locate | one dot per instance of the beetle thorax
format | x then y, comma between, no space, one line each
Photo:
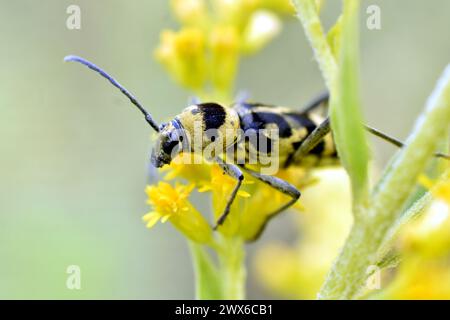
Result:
209,127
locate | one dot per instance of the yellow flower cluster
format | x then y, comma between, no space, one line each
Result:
171,203
301,269
424,272
248,215
424,246
204,54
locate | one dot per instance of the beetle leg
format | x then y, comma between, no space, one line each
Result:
233,171
312,140
278,184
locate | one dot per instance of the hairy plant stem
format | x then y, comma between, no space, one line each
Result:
367,236
309,17
385,203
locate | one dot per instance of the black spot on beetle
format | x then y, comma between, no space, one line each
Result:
296,145
318,150
213,115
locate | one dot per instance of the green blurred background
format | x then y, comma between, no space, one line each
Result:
74,154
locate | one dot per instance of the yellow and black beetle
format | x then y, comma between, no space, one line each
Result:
303,137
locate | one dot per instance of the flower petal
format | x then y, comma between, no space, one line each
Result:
165,218
243,194
205,188
151,218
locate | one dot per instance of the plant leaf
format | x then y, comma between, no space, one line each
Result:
345,112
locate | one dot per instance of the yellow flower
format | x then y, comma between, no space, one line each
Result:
440,190
225,45
424,272
165,53
420,280
251,209
199,174
286,281
334,38
171,203
234,12
204,54
261,29
443,191
183,54
284,7
223,183
302,268
190,12
429,236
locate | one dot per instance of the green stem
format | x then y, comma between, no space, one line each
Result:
207,278
345,110
233,274
373,223
309,17
367,236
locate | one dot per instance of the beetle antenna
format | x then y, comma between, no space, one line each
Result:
116,84
398,143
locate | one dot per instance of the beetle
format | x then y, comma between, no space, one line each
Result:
304,137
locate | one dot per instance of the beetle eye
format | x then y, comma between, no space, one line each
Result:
169,145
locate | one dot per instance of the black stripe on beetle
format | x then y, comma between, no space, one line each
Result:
259,120
303,121
213,115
